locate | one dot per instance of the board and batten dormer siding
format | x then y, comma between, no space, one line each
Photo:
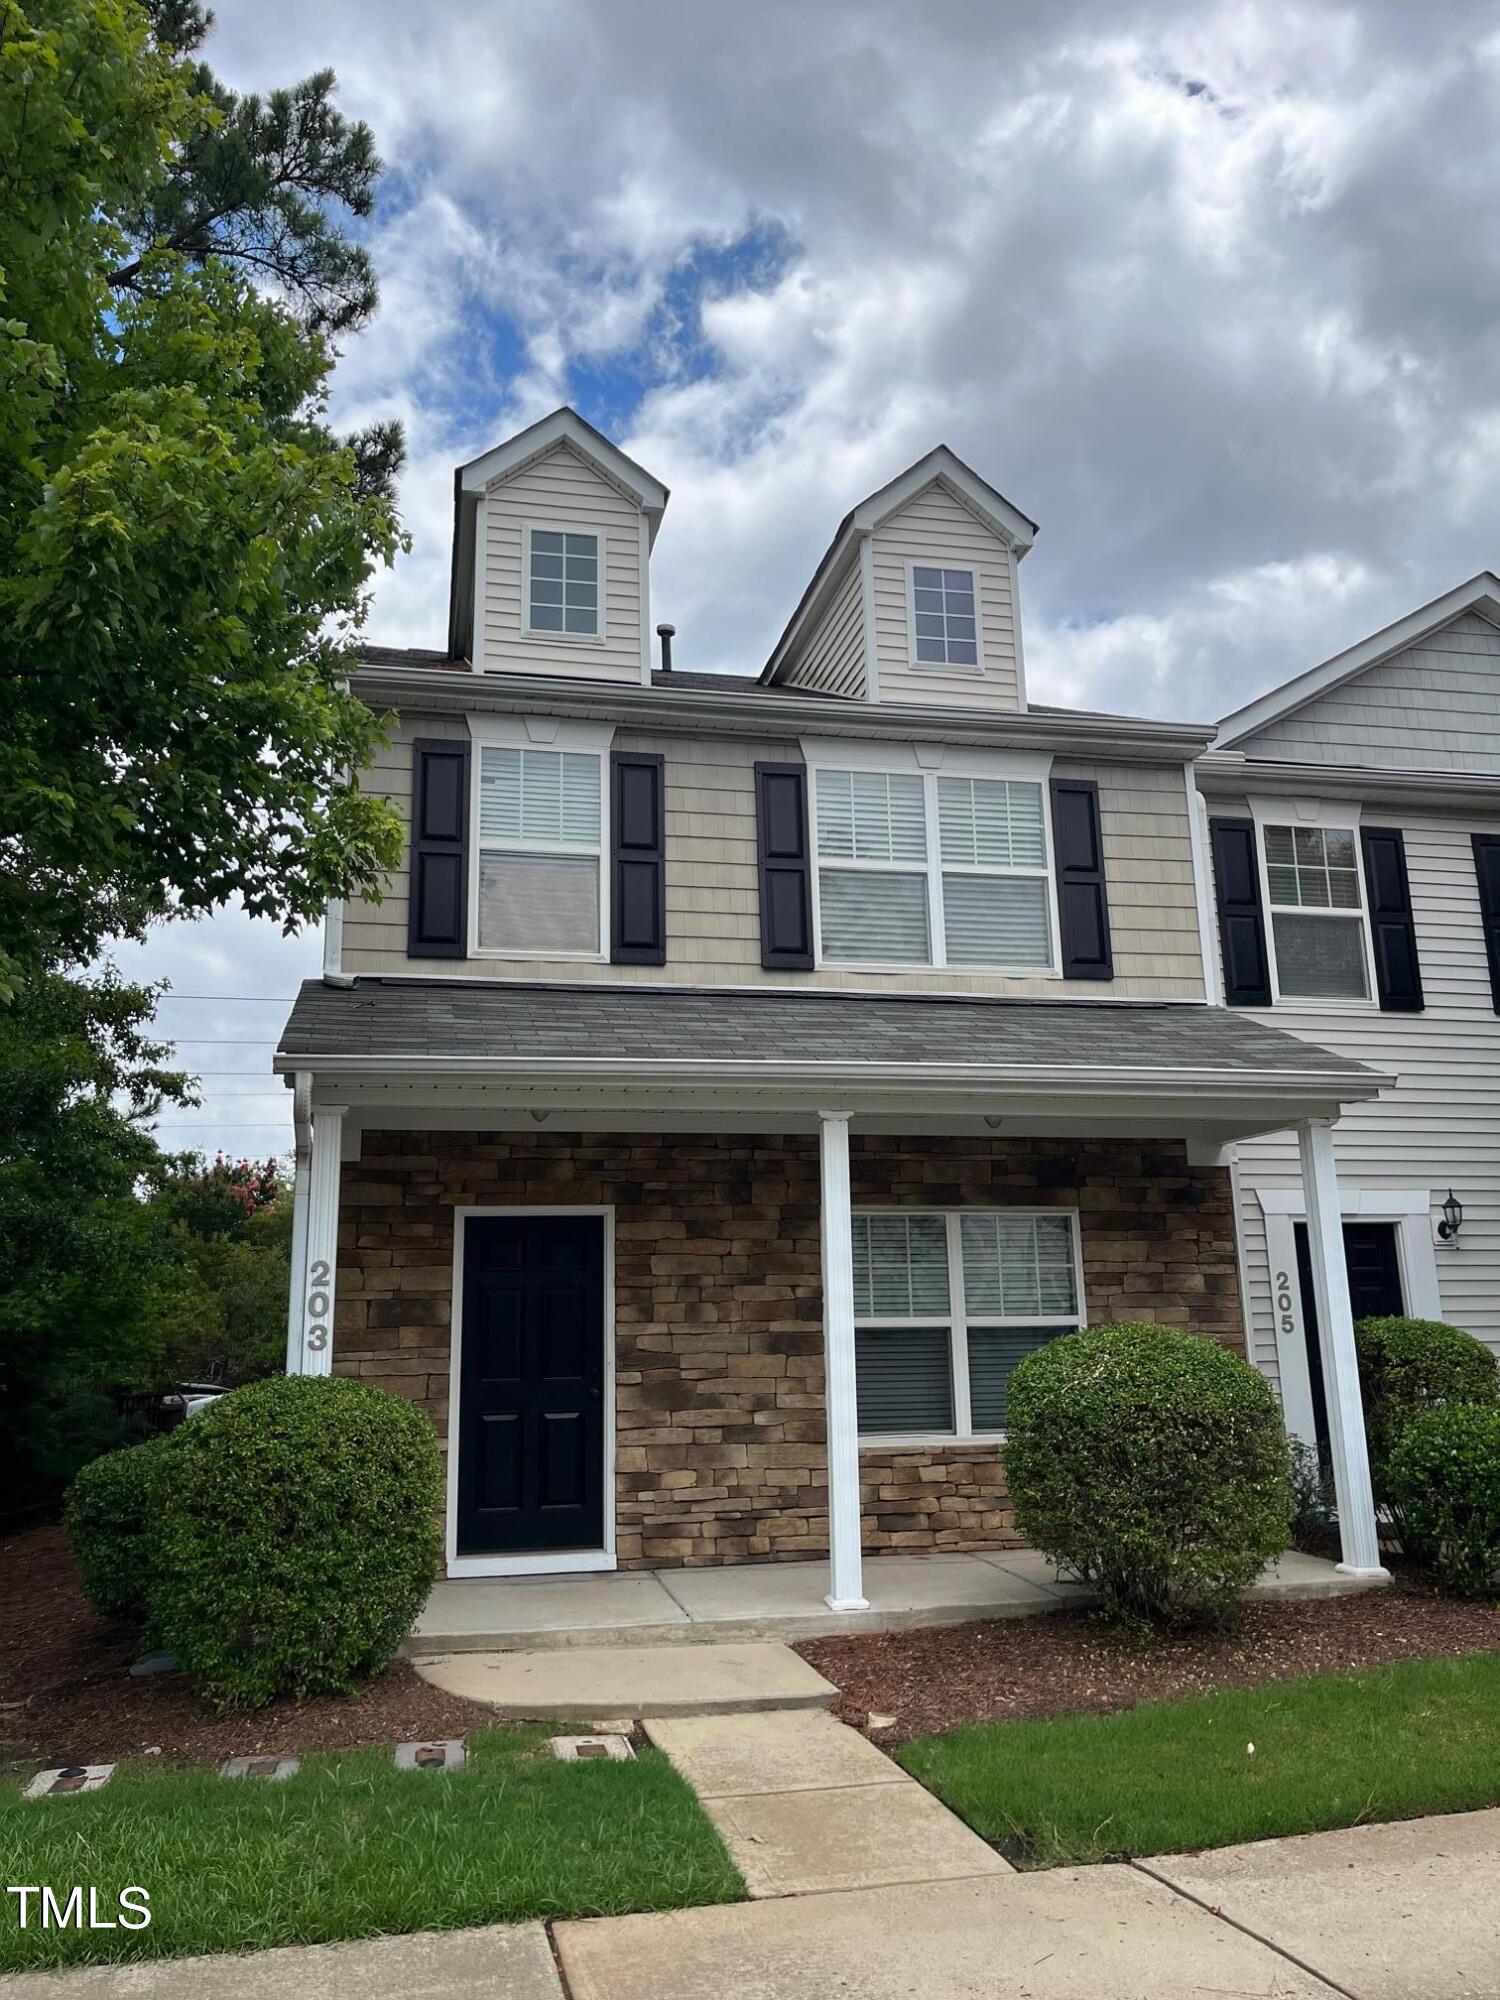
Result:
937,529
561,490
833,659
712,883
1439,1127
1434,707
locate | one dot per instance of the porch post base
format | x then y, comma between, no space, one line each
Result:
847,1603
1375,1575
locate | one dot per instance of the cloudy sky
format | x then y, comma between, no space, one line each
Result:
1209,291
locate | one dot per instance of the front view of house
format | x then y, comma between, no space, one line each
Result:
745,1073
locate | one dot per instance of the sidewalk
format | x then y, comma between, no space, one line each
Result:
1403,1912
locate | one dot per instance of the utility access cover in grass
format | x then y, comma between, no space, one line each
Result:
351,1847
1242,1764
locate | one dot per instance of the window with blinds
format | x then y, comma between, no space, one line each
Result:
889,895
1317,912
947,1304
540,832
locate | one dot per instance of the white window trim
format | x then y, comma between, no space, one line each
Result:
976,672
541,732
1409,1210
930,766
528,630
956,1320
1333,814
544,1563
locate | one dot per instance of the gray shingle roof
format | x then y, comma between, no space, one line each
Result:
546,1023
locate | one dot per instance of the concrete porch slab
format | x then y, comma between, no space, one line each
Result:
731,1756
1069,1934
851,1837
774,1601
632,1681
1406,1911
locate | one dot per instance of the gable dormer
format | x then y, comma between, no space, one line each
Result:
553,533
916,599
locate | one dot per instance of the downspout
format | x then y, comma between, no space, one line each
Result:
301,1181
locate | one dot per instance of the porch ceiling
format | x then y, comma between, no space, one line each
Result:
466,1053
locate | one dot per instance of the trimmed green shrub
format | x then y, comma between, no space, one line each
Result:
299,1537
1407,1366
110,1516
1152,1464
1445,1477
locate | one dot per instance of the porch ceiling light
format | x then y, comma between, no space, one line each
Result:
1453,1217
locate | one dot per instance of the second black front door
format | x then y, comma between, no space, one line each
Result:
531,1385
1374,1292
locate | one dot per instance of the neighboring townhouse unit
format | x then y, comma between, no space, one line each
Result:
742,1073
1355,828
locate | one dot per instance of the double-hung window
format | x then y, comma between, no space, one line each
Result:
563,582
920,868
944,617
540,826
945,1306
1316,903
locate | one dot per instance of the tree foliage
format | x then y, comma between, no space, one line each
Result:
185,545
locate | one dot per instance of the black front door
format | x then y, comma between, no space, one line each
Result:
531,1385
1374,1292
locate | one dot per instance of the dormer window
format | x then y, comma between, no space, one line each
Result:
944,617
562,583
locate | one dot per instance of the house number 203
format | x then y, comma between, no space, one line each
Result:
318,1302
1284,1302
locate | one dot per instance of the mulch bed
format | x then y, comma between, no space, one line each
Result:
1066,1661
66,1697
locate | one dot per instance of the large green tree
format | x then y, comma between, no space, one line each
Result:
186,546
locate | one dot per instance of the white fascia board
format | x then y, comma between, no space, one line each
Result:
1229,773
565,426
1481,593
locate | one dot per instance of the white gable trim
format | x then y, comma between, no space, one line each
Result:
941,468
1481,593
565,426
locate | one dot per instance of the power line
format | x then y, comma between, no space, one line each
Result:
281,999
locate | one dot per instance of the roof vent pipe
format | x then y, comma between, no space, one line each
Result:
666,633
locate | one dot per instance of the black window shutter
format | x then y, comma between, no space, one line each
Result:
1242,923
438,894
637,901
1487,871
1082,904
1398,975
786,935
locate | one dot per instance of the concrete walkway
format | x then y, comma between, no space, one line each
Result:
633,1681
806,1806
781,1601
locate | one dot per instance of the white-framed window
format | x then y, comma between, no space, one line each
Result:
563,596
947,1302
540,866
943,616
928,868
1314,892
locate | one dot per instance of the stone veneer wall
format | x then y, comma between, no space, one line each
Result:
719,1373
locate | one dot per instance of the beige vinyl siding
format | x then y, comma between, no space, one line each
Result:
1440,1124
937,528
712,885
833,659
1435,707
561,490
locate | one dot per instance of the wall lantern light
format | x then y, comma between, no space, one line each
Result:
1453,1217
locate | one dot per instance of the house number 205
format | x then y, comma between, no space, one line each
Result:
1284,1302
318,1274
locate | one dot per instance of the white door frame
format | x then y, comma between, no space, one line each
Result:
1408,1209
547,1562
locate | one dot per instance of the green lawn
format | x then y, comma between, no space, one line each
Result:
1392,1743
352,1848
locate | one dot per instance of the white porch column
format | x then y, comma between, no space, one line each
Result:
301,1178
322,1240
846,1581
1346,1417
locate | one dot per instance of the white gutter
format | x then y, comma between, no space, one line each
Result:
1229,771
301,1181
